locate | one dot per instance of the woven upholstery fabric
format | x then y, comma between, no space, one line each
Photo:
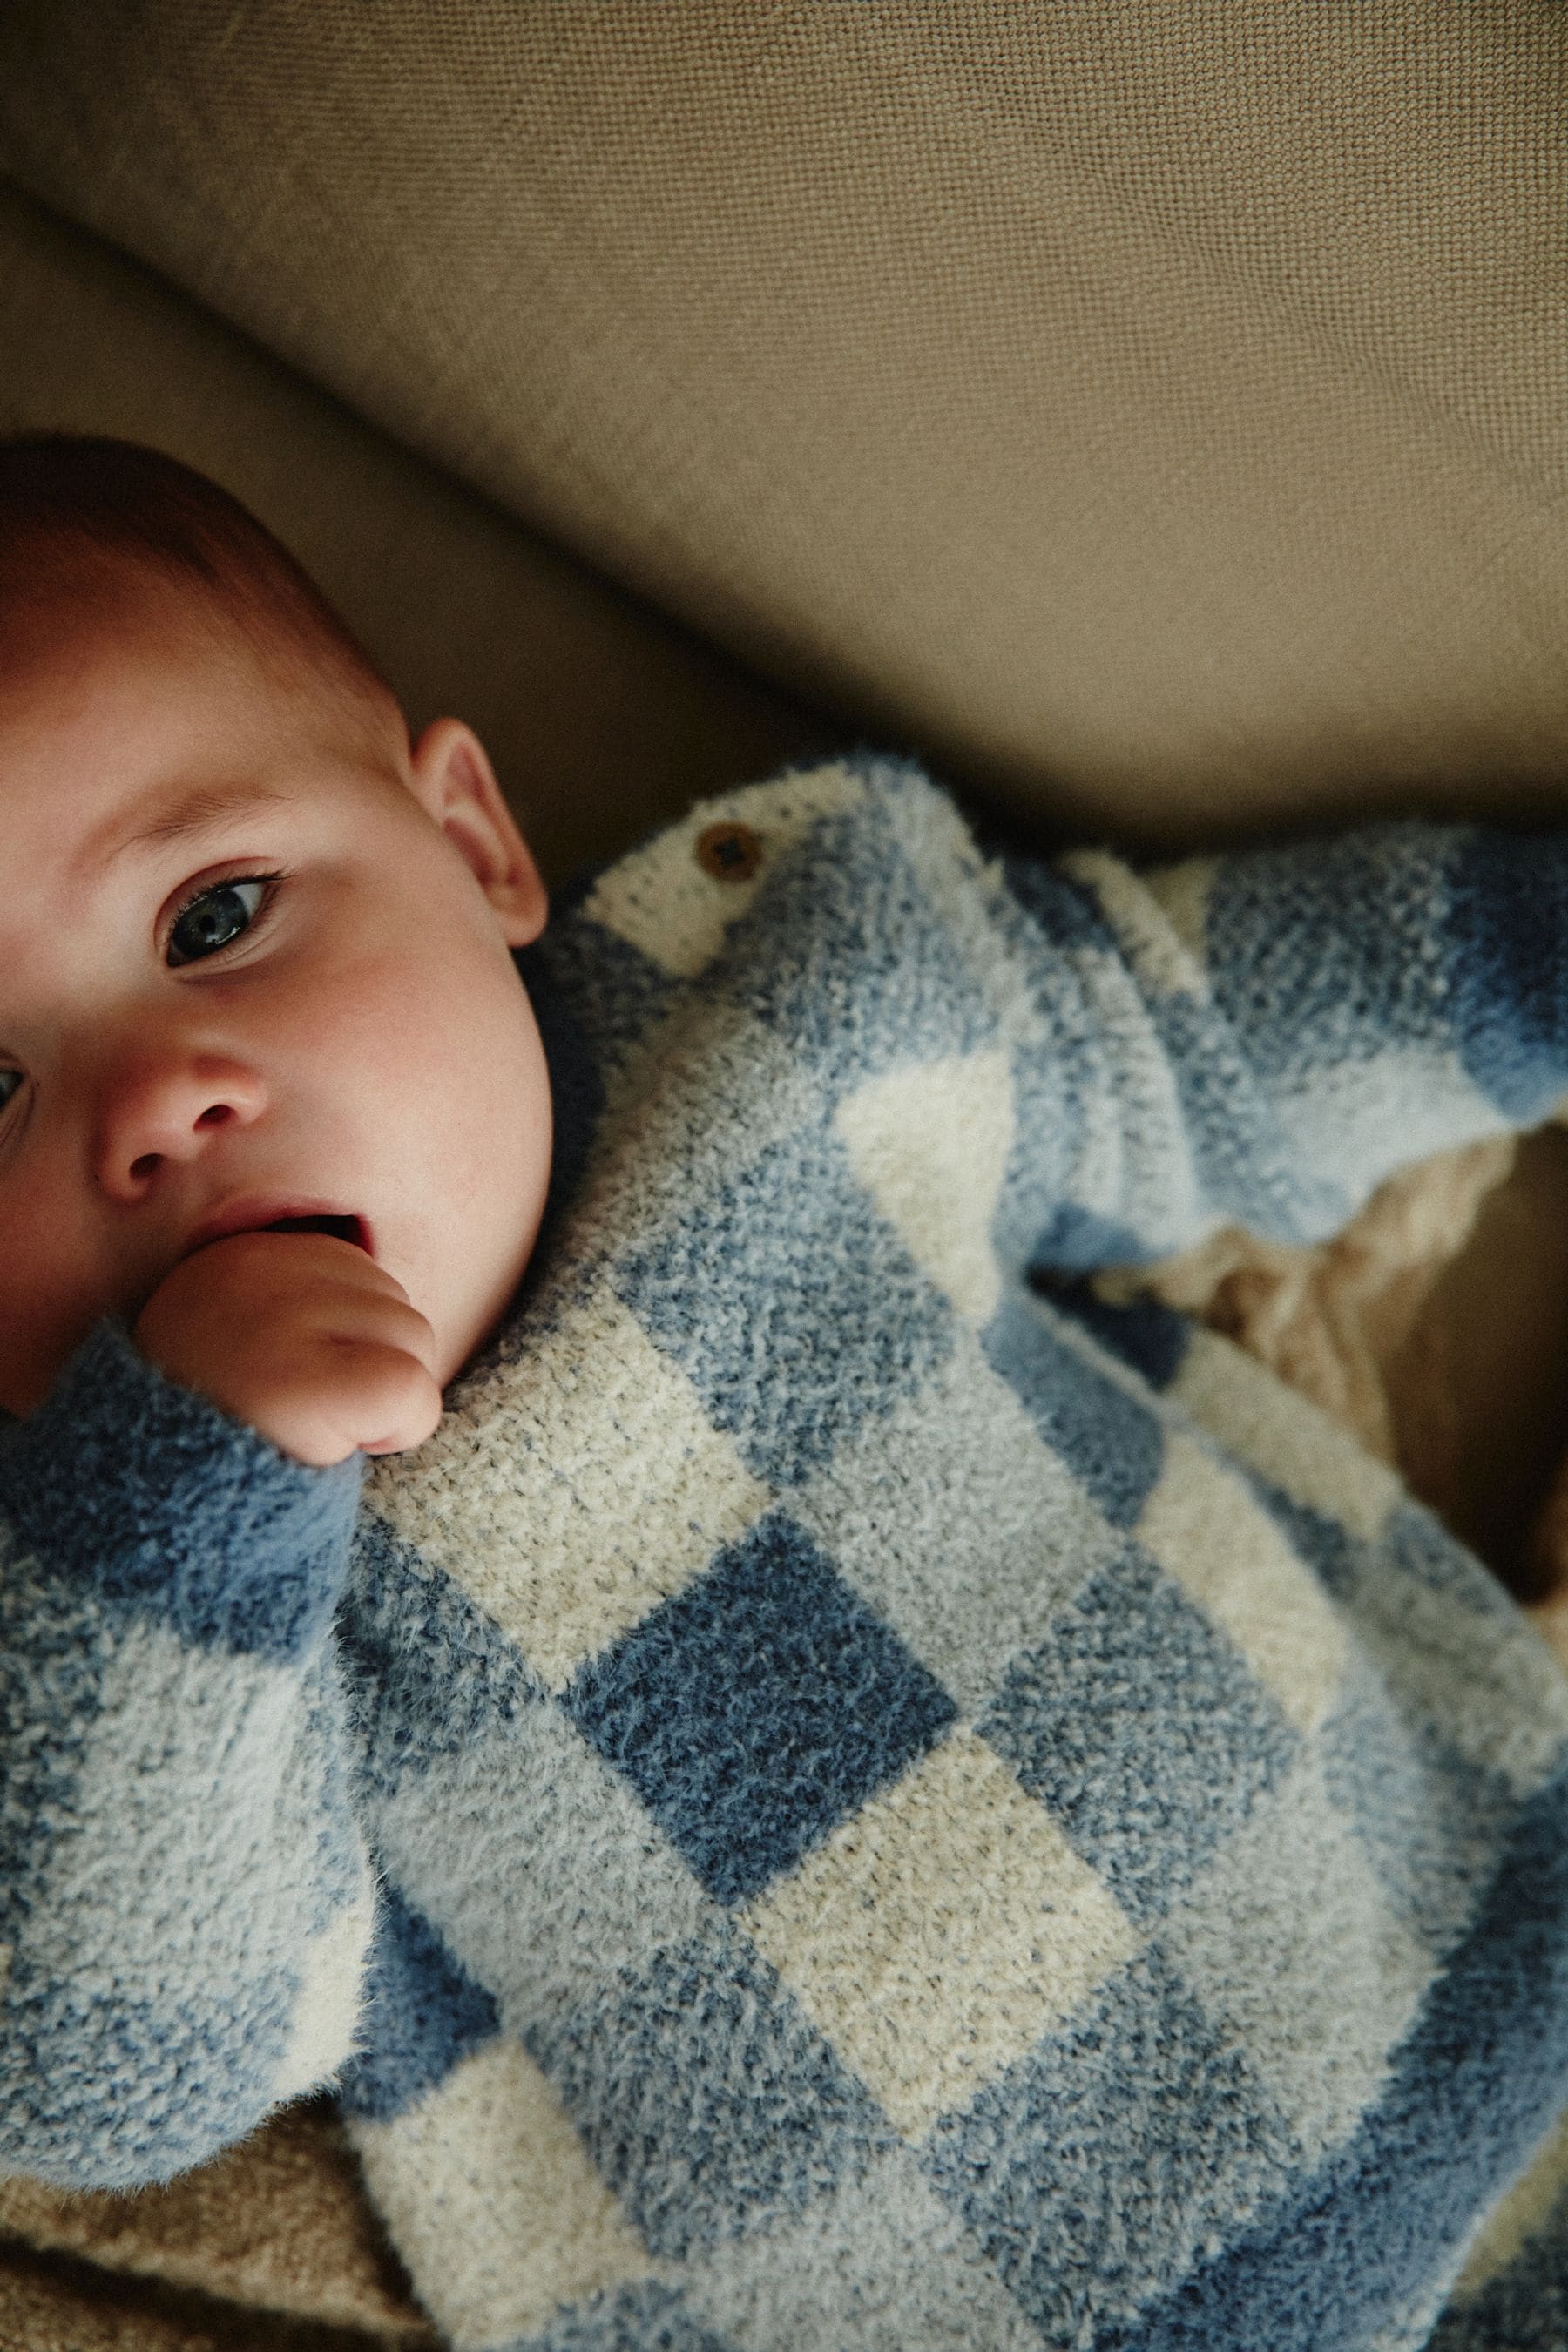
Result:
602,716
1154,410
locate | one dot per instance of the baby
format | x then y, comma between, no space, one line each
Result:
174,686
580,1567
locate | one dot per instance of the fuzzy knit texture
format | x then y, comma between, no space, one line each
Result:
852,1795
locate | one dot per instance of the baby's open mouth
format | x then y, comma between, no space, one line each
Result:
243,1216
347,1229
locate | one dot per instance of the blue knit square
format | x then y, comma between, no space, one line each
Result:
646,2317
1142,1728
439,1676
707,2101
1503,951
1336,1556
756,1708
814,1315
422,2014
843,954
1112,1442
1430,1822
1321,953
1113,2157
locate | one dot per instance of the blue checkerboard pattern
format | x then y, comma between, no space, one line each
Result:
850,1795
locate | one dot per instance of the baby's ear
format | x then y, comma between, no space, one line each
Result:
454,783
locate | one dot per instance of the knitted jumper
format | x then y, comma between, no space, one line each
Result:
849,1796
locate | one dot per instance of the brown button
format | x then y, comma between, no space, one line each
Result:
730,852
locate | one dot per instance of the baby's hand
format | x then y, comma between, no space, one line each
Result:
302,1336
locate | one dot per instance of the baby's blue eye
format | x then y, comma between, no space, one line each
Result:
215,920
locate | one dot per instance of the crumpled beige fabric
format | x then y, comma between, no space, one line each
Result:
1399,1326
272,2244
1329,1318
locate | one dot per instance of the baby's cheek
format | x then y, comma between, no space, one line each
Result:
47,1310
31,1356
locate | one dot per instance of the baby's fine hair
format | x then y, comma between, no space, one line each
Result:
76,507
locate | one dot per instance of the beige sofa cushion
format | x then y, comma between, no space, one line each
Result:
602,716
1156,409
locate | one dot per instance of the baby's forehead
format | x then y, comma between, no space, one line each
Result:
112,753
201,637
104,631
169,670
70,594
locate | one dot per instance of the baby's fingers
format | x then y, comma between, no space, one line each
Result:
383,1322
396,1402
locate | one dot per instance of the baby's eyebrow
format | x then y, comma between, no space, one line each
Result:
174,819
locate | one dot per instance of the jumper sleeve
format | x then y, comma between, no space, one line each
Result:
1261,1037
184,1896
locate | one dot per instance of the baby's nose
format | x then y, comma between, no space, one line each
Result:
181,1146
171,1113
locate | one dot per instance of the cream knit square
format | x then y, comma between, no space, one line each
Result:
1215,1541
489,2162
940,1931
666,904
577,1490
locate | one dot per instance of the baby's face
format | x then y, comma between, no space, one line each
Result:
294,997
